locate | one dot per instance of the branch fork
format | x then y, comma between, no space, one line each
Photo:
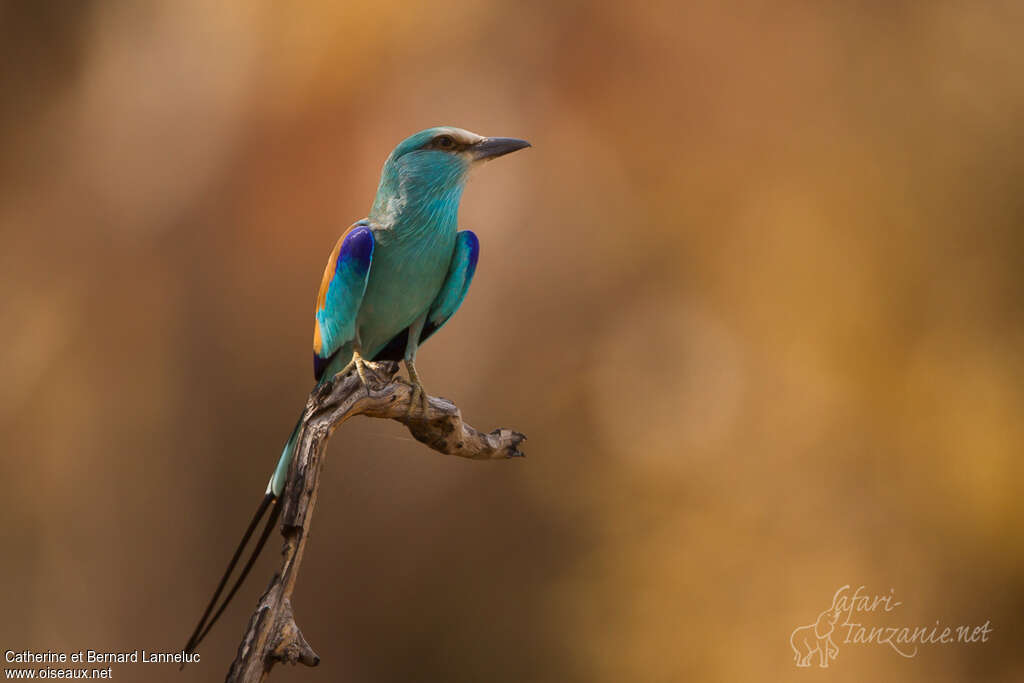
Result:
272,635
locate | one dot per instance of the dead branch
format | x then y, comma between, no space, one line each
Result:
272,635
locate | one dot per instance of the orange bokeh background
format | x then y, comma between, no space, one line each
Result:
754,295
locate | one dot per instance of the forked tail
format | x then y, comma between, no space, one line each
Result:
274,489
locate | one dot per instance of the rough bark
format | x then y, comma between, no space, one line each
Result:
273,635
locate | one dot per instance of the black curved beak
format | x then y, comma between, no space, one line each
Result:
492,148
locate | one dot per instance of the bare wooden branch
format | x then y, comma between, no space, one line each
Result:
272,635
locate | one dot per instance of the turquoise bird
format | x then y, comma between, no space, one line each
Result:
392,281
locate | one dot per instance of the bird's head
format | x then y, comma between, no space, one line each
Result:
432,165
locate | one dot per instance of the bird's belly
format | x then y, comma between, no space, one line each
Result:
402,285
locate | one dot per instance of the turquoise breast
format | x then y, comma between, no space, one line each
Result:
406,275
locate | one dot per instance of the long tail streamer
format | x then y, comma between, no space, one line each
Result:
203,627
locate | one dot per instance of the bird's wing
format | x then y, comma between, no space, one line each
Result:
453,291
341,293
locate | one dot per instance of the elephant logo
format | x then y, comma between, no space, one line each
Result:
816,637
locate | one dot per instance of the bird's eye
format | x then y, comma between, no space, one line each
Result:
445,142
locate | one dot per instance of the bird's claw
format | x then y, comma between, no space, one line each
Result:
419,398
418,402
360,366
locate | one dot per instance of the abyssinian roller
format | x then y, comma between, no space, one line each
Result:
393,279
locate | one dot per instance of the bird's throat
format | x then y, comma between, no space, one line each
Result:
412,213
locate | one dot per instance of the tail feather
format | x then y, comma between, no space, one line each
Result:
274,490
271,523
277,480
199,631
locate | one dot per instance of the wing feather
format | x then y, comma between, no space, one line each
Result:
456,285
341,294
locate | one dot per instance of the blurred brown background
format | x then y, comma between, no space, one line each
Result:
754,295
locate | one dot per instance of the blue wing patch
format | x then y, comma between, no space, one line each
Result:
341,293
456,285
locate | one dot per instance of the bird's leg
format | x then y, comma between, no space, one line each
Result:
419,394
419,398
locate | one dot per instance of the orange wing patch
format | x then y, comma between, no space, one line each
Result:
360,252
321,298
332,264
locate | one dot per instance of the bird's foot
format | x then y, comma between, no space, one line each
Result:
360,366
418,400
